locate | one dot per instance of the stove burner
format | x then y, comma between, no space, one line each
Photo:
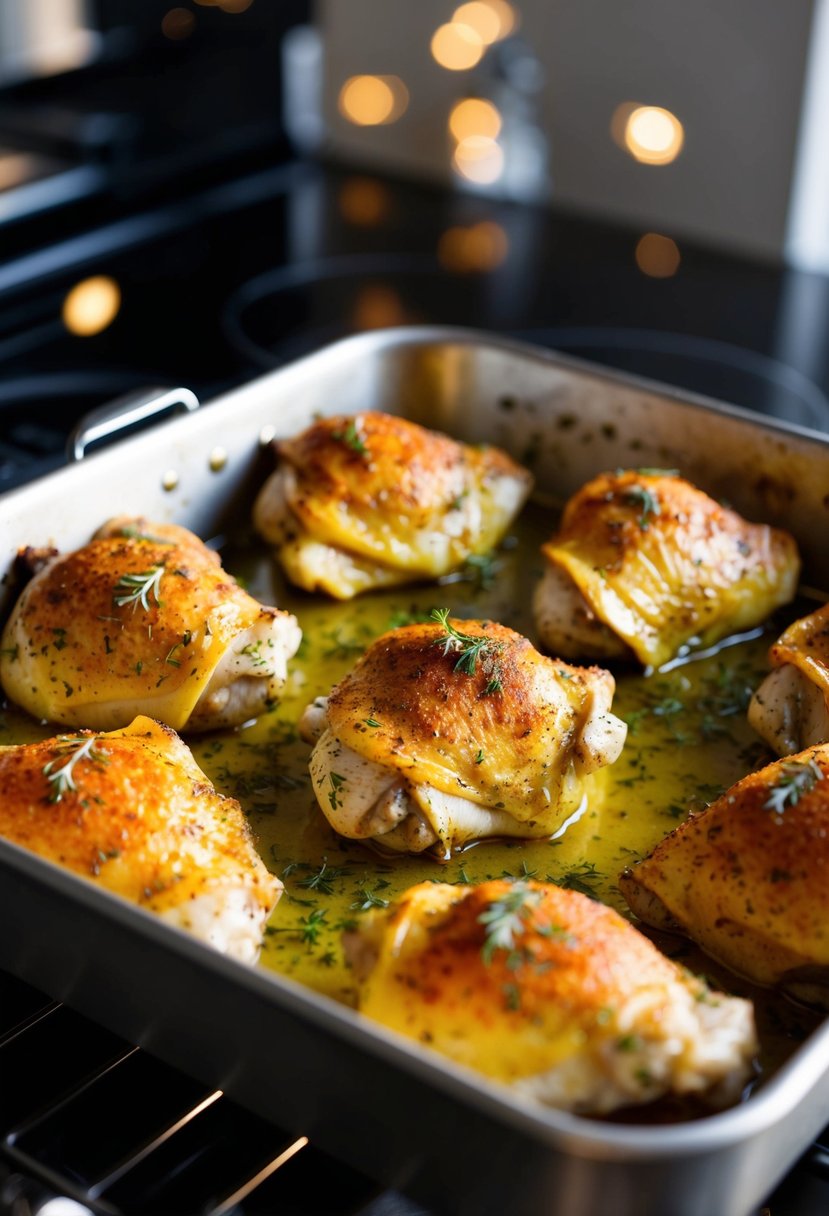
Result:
37,414
294,310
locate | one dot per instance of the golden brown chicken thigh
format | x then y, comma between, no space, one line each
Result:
451,731
143,619
790,709
748,878
644,564
550,993
374,501
132,811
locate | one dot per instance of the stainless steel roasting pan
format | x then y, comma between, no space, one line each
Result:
405,1116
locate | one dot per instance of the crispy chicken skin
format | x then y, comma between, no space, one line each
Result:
748,878
143,619
644,563
790,709
132,811
416,752
548,992
374,501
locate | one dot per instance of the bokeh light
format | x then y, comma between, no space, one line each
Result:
474,116
479,159
651,134
178,24
482,246
456,46
364,202
657,256
91,306
371,101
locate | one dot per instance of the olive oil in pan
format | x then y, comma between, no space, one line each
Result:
688,739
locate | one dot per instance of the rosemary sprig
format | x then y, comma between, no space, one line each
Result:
62,778
333,797
639,496
468,648
796,778
324,878
504,918
136,588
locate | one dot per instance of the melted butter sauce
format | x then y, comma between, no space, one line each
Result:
688,740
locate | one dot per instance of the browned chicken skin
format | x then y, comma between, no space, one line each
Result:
132,811
143,619
652,564
748,878
419,746
548,992
790,709
375,501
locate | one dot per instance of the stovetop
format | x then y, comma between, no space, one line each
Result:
209,289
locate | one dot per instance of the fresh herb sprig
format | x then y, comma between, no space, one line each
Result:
468,648
797,777
137,588
504,918
352,438
648,505
61,777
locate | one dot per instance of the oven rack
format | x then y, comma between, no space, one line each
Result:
87,1116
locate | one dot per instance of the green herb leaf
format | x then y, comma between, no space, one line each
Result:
639,496
351,437
797,777
62,777
136,588
504,918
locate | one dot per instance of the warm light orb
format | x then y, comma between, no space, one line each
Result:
456,46
657,256
235,6
177,24
364,202
484,246
479,159
378,307
371,101
481,18
653,136
474,116
91,306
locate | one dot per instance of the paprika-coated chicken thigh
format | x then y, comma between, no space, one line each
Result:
790,709
131,811
748,878
373,501
645,564
550,993
452,731
143,619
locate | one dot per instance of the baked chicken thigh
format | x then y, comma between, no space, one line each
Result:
143,619
748,878
132,811
548,992
790,709
374,501
452,731
644,564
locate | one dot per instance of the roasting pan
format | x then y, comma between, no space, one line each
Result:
408,1118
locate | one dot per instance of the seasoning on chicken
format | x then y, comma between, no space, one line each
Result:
375,501
790,709
550,993
645,565
748,878
143,619
452,731
131,811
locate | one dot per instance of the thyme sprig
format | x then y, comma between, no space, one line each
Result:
74,749
649,507
797,777
468,648
136,588
352,438
504,918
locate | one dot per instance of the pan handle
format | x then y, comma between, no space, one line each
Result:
126,412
